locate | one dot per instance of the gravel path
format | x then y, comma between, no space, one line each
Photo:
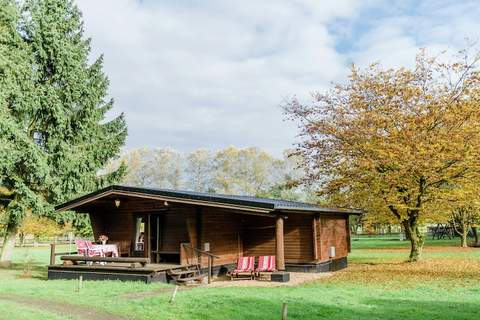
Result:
296,278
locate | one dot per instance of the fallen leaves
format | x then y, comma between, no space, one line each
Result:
449,266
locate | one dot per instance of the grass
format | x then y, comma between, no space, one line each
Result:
378,284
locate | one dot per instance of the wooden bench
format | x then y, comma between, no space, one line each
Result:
131,261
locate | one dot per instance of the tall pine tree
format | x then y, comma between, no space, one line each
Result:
24,172
65,118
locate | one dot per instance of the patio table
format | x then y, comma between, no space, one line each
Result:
108,249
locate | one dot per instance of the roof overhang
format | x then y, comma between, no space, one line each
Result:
71,205
254,205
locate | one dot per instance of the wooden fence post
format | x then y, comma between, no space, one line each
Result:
172,298
80,283
52,254
284,311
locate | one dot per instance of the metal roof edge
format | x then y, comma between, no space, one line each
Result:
251,202
323,210
165,193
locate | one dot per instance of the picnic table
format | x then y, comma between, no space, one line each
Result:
107,249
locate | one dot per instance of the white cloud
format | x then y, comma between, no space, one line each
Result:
213,73
395,38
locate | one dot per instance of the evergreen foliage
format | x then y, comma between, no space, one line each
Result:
54,136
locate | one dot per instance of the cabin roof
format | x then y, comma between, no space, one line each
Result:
199,197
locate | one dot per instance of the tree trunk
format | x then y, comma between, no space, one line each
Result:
8,246
463,237
412,233
475,234
416,238
407,235
462,230
21,235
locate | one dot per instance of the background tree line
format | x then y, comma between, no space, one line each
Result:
241,171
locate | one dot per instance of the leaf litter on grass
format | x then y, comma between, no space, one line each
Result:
388,272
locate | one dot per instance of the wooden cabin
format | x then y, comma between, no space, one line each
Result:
171,227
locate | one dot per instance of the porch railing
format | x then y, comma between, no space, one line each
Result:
54,254
205,253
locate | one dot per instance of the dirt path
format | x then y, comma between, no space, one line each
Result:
296,278
147,294
62,308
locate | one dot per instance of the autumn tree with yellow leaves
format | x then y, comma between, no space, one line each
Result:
463,204
398,137
41,227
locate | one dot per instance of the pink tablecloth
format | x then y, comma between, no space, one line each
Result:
108,249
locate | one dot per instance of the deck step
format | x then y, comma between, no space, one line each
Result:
197,277
186,274
181,272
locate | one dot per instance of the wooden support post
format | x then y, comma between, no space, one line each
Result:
146,244
52,254
314,233
184,255
157,242
192,229
320,242
210,269
198,227
279,244
349,240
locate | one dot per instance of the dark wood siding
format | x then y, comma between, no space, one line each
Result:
333,232
298,238
174,230
231,233
221,228
259,236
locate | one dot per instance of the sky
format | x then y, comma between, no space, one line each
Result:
209,74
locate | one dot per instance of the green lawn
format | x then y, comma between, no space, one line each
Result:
377,285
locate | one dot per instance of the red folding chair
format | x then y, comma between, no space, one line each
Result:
244,270
81,247
266,264
93,251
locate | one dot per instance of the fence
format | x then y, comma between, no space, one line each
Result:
30,241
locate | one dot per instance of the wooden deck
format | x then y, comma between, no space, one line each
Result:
155,272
